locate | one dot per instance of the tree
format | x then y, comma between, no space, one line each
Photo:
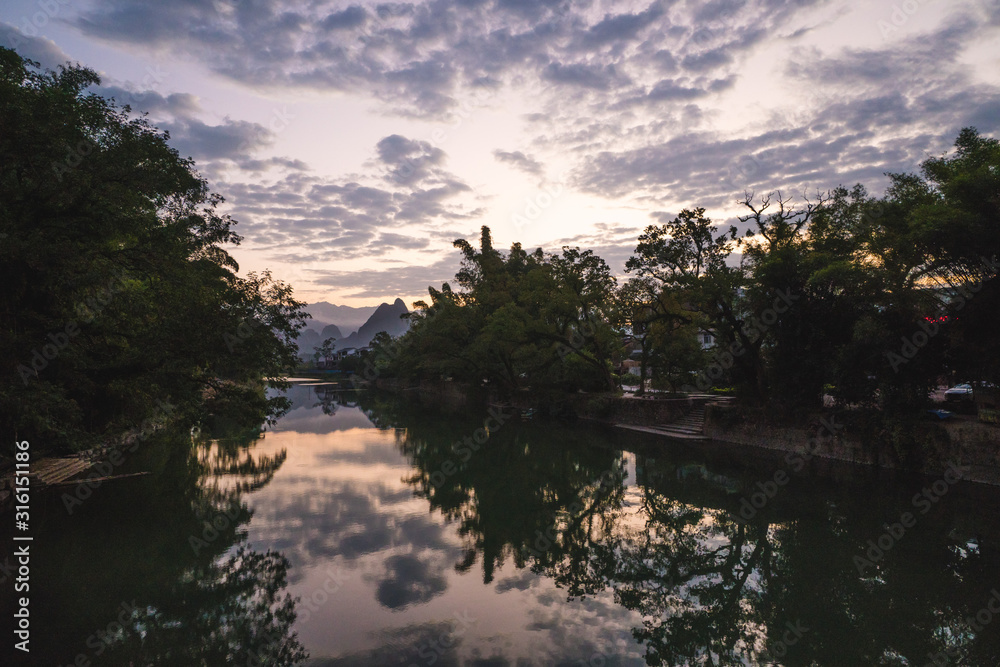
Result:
957,223
665,329
792,331
521,321
956,226
118,294
326,351
686,262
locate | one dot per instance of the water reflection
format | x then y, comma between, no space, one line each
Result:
232,612
529,494
348,498
228,604
545,544
710,586
153,571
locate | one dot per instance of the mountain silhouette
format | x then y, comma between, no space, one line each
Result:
385,317
330,331
347,318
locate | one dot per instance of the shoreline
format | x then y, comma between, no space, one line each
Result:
972,447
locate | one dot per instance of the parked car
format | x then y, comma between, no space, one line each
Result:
960,392
960,398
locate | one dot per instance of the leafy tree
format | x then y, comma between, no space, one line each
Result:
955,223
684,262
666,330
119,296
786,312
521,321
956,227
326,350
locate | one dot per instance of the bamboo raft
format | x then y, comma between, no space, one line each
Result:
47,472
43,473
55,472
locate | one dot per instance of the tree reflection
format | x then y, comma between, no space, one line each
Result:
711,587
227,468
220,610
174,561
523,493
333,395
219,614
697,577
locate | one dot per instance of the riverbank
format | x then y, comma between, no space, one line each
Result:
922,447
604,408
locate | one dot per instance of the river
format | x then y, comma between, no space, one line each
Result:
364,530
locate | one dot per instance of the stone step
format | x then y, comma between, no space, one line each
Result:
679,429
678,435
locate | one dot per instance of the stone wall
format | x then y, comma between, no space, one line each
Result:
973,447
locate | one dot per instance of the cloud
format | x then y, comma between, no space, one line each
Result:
182,105
669,89
268,164
641,102
407,280
708,60
303,218
40,49
352,17
519,160
854,106
597,77
612,242
176,113
408,580
620,27
424,58
409,161
234,139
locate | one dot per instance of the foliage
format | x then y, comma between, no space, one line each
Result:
521,321
119,296
876,298
684,286
325,351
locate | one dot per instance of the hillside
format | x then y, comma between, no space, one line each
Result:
347,318
385,317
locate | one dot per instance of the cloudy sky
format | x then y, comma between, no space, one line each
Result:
354,141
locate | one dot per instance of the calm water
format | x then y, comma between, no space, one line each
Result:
356,529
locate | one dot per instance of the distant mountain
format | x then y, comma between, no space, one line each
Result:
347,318
330,331
308,340
385,317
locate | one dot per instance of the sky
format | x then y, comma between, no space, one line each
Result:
354,141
